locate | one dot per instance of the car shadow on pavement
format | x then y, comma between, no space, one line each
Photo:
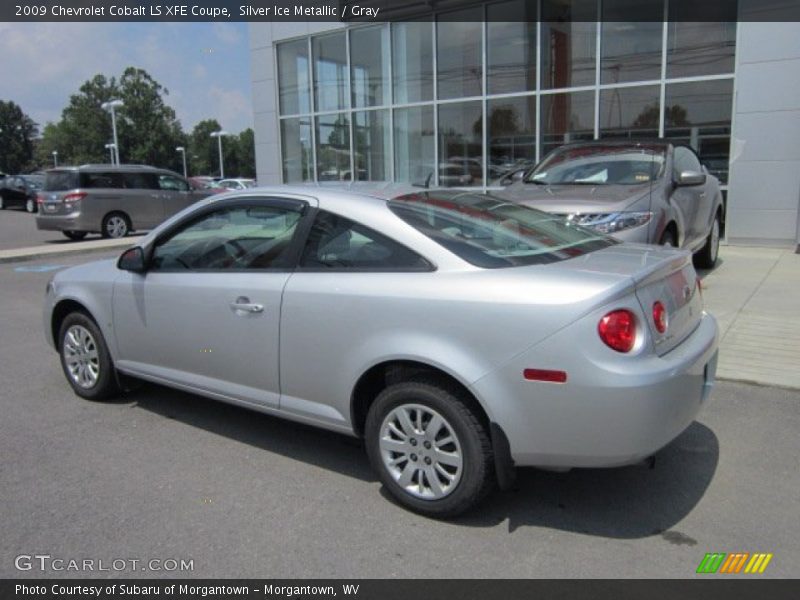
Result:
627,503
318,447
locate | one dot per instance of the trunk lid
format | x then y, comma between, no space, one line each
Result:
658,274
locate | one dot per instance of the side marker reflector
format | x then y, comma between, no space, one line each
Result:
545,375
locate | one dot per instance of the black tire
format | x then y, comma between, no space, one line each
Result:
476,478
115,225
105,384
668,239
30,205
2,202
75,235
706,257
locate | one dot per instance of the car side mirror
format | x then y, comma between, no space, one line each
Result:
686,178
132,260
517,176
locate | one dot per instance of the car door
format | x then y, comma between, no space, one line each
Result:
206,314
176,193
142,199
16,193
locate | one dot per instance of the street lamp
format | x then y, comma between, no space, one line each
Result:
111,148
111,105
218,135
182,150
55,158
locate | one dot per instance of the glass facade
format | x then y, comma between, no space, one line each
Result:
458,103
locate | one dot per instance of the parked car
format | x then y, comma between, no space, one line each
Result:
650,192
20,190
111,200
459,334
236,184
205,183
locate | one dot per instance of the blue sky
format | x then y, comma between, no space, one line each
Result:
205,66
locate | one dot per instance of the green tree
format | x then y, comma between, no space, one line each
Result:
85,128
17,134
147,128
247,153
201,151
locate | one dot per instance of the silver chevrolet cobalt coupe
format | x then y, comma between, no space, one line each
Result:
458,334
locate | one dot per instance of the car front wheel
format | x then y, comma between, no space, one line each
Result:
30,205
85,358
706,258
429,448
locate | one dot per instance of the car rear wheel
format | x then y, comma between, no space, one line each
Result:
429,448
30,205
706,258
85,358
75,235
115,225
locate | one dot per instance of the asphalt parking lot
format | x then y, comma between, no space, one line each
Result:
18,230
166,475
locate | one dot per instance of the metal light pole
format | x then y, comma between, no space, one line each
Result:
55,158
111,105
111,148
182,150
218,135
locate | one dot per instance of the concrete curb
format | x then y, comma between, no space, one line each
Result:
23,254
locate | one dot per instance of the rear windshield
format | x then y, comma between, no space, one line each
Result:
612,164
493,233
60,181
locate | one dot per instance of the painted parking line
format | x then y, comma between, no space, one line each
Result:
39,268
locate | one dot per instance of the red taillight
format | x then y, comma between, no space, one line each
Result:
545,375
39,199
74,197
618,330
660,317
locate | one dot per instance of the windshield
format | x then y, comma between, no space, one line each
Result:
600,165
490,232
35,181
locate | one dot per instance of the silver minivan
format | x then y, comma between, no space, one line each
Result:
111,200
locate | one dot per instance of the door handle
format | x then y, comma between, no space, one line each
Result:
243,304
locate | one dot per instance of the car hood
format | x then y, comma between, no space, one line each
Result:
567,199
98,271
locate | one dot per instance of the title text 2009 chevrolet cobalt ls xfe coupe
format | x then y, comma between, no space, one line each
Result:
459,334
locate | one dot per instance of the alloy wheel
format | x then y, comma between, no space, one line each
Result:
81,356
421,451
116,226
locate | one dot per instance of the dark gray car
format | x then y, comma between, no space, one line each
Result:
648,192
111,200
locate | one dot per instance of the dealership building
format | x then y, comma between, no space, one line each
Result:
462,98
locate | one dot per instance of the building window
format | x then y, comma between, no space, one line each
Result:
459,68
414,144
369,56
296,150
695,49
698,114
510,48
569,42
566,118
412,61
512,133
631,49
333,148
460,144
371,139
330,72
293,78
629,112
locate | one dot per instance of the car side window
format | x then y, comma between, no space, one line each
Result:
139,181
242,237
686,160
102,180
168,182
338,243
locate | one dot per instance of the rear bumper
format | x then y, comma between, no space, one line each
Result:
70,222
604,416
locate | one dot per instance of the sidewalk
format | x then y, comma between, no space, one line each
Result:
755,295
65,248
